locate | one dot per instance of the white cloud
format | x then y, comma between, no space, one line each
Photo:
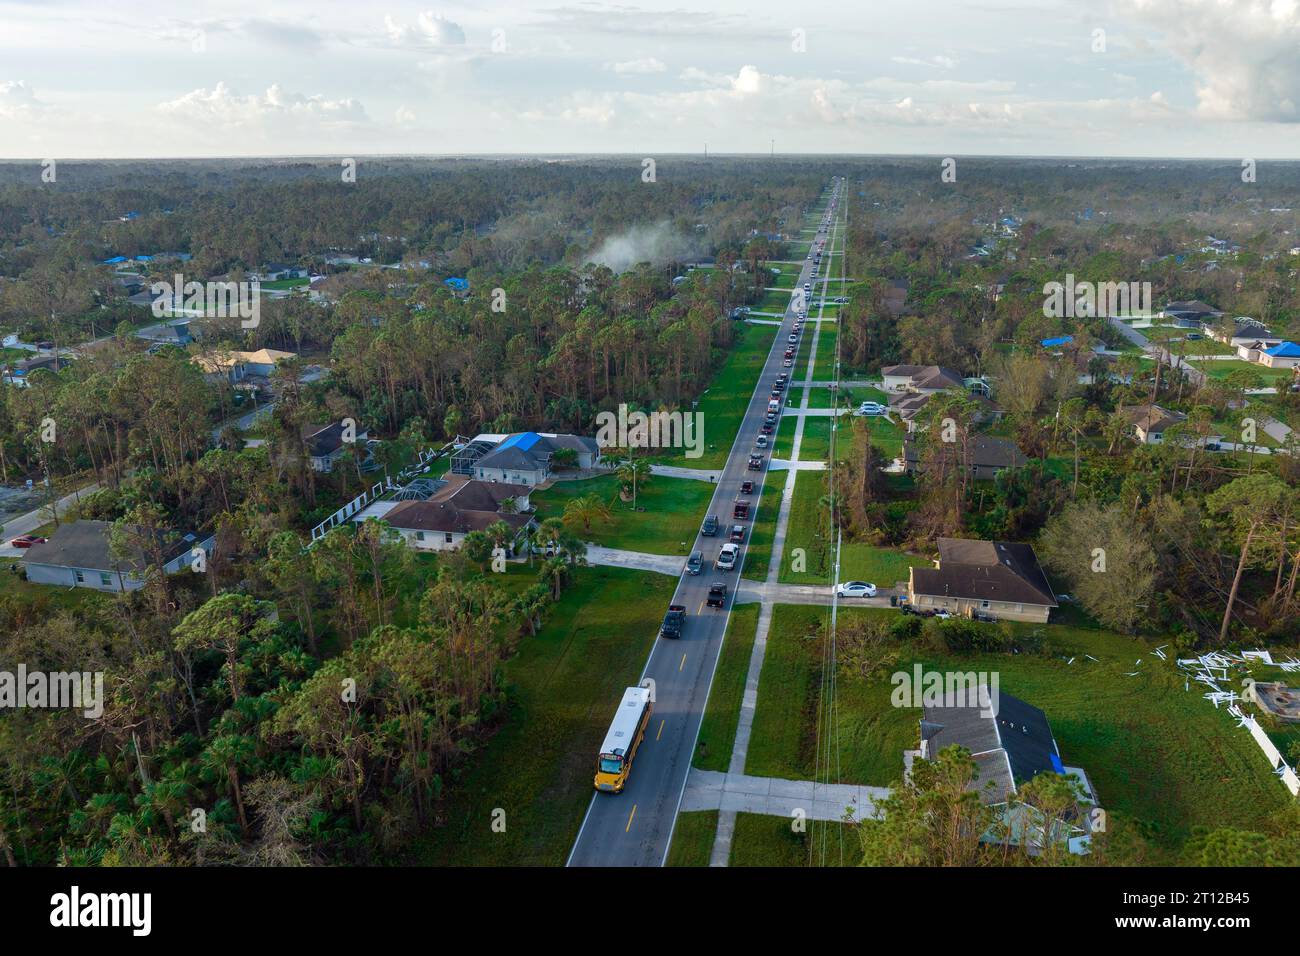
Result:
222,106
1245,54
429,30
18,100
943,62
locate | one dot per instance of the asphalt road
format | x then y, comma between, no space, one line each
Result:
634,828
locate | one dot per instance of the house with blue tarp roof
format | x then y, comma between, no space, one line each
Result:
1057,342
524,458
115,260
456,284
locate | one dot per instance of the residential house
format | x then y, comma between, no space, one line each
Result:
1149,421
524,458
18,372
921,379
275,271
462,505
1281,355
80,555
1190,314
1244,331
167,333
235,366
1000,578
1011,742
985,456
326,444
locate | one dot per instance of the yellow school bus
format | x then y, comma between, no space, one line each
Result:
624,737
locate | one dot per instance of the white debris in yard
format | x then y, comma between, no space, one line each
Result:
1265,656
1221,697
1160,653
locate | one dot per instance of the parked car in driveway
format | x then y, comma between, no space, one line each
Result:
871,408
26,541
855,589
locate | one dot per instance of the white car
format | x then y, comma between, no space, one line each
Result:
943,615
761,441
858,589
871,408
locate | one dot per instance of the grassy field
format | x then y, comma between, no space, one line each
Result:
821,398
824,368
758,554
723,405
693,838
718,728
1221,368
669,512
783,447
760,840
563,686
816,444
1161,758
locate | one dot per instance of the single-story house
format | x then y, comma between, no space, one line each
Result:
1190,314
235,366
1011,743
275,271
1001,578
922,379
17,373
525,458
907,406
985,456
167,333
1244,331
1282,355
80,555
325,444
440,522
1149,421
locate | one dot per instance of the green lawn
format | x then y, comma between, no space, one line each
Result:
723,404
774,300
821,398
760,840
668,515
563,687
1222,368
1161,758
758,553
718,728
693,838
783,447
824,369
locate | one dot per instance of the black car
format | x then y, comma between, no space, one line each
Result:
766,428
755,463
710,526
717,595
746,487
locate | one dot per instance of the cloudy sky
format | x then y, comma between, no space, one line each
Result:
88,78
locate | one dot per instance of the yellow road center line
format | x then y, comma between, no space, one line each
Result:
661,728
682,664
630,818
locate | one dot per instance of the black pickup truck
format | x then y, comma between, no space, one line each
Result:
717,594
674,620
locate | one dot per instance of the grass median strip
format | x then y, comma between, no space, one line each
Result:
722,714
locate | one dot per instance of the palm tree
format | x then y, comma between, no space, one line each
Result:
556,571
531,605
585,510
633,473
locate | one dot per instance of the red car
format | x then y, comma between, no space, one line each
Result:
26,541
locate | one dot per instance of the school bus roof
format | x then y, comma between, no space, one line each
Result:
622,731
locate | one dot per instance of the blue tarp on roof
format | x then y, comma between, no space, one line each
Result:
458,284
114,261
1056,763
1284,350
144,258
523,441
1057,342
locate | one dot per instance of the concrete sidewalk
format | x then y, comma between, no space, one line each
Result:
772,796
677,471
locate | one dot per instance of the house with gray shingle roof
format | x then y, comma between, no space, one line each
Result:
998,578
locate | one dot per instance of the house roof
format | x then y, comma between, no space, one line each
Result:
1151,418
925,376
324,440
85,544
1011,746
461,507
985,571
531,450
1192,307
982,451
1284,350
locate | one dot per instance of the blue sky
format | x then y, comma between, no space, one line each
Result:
948,77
